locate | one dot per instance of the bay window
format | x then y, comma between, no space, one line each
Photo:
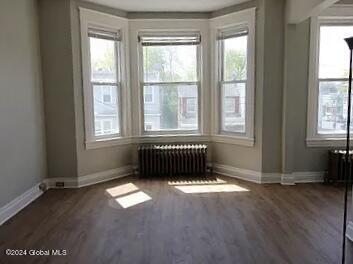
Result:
170,82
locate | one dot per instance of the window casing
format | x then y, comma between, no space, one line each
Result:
170,67
233,81
328,81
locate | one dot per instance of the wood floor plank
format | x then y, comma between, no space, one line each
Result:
266,224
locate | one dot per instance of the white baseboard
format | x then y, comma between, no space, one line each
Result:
349,232
247,175
90,179
13,207
305,177
260,177
16,205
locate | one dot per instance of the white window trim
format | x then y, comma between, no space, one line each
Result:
340,14
245,18
176,132
90,18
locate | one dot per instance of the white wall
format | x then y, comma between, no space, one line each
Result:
22,148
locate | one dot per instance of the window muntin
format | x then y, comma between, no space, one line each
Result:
233,81
171,70
333,69
104,74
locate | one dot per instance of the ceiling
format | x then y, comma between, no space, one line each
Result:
168,5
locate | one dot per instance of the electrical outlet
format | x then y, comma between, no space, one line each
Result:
59,184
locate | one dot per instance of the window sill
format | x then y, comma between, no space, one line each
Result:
172,138
109,142
234,140
326,142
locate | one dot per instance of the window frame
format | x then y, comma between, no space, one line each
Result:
169,33
90,19
238,20
232,31
331,17
112,85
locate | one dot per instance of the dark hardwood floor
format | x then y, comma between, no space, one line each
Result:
266,224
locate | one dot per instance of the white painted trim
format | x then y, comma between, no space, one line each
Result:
302,177
16,205
109,142
90,179
241,141
288,179
247,175
264,177
335,14
104,176
172,139
329,142
349,232
89,18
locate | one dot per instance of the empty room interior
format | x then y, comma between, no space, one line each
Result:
190,131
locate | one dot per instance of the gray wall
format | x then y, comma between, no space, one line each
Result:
273,42
56,51
22,151
297,156
265,156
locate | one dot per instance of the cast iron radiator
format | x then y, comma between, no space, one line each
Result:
171,160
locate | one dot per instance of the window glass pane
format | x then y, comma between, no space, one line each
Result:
106,117
169,110
148,94
233,103
103,60
334,52
235,58
170,63
332,114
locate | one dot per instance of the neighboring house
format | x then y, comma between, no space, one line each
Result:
186,108
105,106
234,109
332,108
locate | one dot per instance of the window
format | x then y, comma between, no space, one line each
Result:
104,42
104,126
333,78
170,68
233,80
328,81
232,105
104,68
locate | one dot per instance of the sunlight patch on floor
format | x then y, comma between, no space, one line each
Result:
129,200
127,195
216,188
122,189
